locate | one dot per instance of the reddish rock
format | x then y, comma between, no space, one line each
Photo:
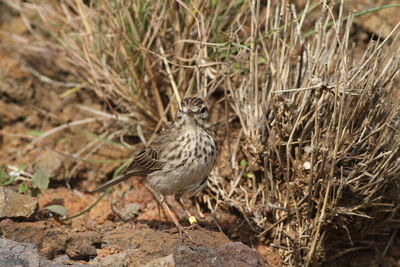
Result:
83,245
230,254
14,205
49,239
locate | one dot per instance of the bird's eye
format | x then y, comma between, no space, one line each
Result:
203,110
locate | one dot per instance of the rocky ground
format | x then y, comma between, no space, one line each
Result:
102,238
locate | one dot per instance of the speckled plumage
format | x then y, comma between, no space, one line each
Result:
180,158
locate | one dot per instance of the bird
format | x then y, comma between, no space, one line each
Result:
178,160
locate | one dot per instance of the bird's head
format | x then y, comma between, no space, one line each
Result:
193,111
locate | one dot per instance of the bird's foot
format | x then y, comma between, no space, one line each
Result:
194,226
183,231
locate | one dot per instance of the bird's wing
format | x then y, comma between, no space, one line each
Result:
143,163
147,161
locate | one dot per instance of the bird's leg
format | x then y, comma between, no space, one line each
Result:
157,197
181,230
159,215
191,218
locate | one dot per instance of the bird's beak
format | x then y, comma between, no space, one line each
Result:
190,113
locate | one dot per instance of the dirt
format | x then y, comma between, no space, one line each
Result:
101,233
126,220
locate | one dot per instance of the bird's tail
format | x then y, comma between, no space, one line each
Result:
115,181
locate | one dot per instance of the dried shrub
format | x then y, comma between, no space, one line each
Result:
321,136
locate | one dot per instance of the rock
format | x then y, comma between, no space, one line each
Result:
54,242
49,263
61,258
238,254
125,247
152,244
25,232
14,205
116,260
159,248
230,254
124,239
15,82
167,261
18,254
49,239
129,211
26,254
10,112
83,245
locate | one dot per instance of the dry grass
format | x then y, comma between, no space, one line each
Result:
319,129
325,154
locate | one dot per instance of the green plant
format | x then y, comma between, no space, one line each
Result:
40,180
9,178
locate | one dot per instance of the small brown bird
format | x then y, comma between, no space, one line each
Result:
179,159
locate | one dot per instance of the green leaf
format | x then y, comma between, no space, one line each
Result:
35,133
58,209
250,175
6,179
3,177
243,163
213,4
23,166
22,188
41,178
2,171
